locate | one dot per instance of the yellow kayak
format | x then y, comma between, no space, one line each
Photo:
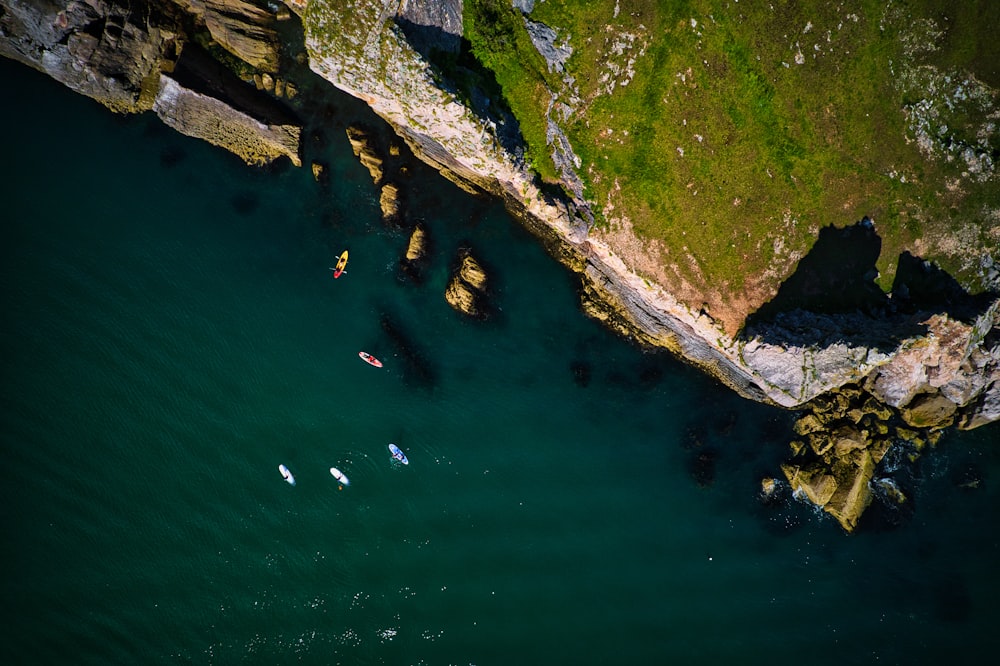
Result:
341,265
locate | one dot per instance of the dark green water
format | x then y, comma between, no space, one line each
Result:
171,333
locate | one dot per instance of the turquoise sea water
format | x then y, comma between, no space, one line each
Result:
171,333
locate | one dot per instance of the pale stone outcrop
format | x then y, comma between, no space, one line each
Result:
243,28
361,145
417,246
466,291
198,115
389,202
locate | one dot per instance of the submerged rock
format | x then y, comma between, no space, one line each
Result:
466,291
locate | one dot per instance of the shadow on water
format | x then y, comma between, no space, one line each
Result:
832,296
244,203
417,370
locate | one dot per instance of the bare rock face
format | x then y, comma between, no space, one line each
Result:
136,56
985,410
416,249
110,53
241,27
361,144
930,410
466,292
389,202
194,114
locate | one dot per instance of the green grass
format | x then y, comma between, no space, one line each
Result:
817,139
500,42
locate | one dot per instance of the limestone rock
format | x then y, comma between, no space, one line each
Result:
768,486
361,145
812,481
241,27
462,297
985,410
807,424
320,172
847,439
389,202
98,48
472,273
198,115
417,247
853,493
929,410
891,490
466,291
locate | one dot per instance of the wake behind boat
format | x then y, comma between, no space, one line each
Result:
398,454
286,474
341,265
371,360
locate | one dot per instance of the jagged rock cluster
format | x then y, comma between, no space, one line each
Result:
842,440
466,291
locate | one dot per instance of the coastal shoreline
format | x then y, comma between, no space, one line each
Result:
945,374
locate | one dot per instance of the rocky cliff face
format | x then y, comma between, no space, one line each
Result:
137,56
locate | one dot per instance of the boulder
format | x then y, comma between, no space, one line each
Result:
472,273
240,27
466,291
320,172
811,480
891,490
768,486
985,410
929,410
807,424
417,247
389,202
847,439
462,297
853,491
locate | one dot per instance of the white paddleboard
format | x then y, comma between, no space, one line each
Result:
398,455
286,474
340,476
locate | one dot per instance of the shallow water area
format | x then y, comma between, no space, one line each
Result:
173,333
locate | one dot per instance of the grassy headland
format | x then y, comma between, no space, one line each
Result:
726,134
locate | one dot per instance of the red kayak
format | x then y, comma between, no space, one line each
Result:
368,358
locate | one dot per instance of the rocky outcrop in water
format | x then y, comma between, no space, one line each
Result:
361,144
466,291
